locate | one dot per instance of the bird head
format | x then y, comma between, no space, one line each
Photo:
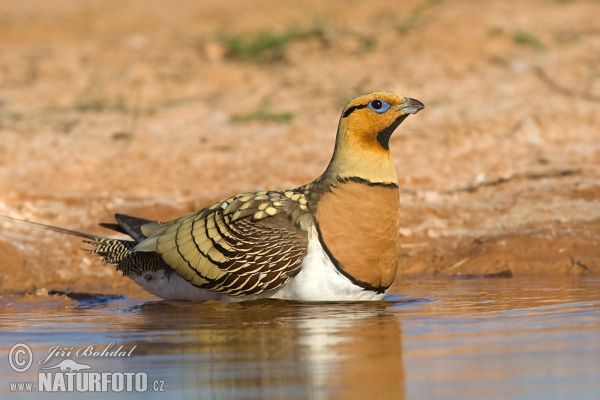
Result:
362,143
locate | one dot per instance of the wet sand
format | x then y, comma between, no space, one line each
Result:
131,108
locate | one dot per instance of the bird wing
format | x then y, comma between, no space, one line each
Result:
242,245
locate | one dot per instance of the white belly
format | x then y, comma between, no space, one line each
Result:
318,280
175,287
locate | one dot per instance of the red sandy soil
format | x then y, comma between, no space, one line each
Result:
126,107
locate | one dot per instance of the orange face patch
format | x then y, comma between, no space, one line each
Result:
372,118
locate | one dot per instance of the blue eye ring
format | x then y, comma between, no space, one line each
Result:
379,106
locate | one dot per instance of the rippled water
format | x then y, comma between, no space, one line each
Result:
440,339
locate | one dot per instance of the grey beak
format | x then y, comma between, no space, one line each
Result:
411,106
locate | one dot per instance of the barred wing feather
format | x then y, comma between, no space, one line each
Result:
243,245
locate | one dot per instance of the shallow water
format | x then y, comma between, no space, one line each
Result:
442,338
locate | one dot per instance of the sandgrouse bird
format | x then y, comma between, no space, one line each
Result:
334,239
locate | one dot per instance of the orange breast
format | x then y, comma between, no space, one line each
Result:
359,227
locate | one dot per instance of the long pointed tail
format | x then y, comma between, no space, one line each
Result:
111,251
51,228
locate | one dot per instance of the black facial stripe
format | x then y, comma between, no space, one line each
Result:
352,109
383,137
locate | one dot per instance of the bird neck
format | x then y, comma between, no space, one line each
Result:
358,155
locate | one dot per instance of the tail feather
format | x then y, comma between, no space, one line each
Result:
133,225
52,228
112,227
112,251
120,253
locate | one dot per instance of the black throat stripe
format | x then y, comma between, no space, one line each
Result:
364,285
383,137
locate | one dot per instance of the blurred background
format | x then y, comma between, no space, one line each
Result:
158,108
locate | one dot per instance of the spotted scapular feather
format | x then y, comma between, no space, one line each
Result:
242,245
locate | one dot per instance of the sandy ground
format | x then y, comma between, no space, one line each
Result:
127,107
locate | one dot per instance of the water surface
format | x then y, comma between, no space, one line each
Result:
441,338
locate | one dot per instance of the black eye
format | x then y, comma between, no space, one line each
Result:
379,106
